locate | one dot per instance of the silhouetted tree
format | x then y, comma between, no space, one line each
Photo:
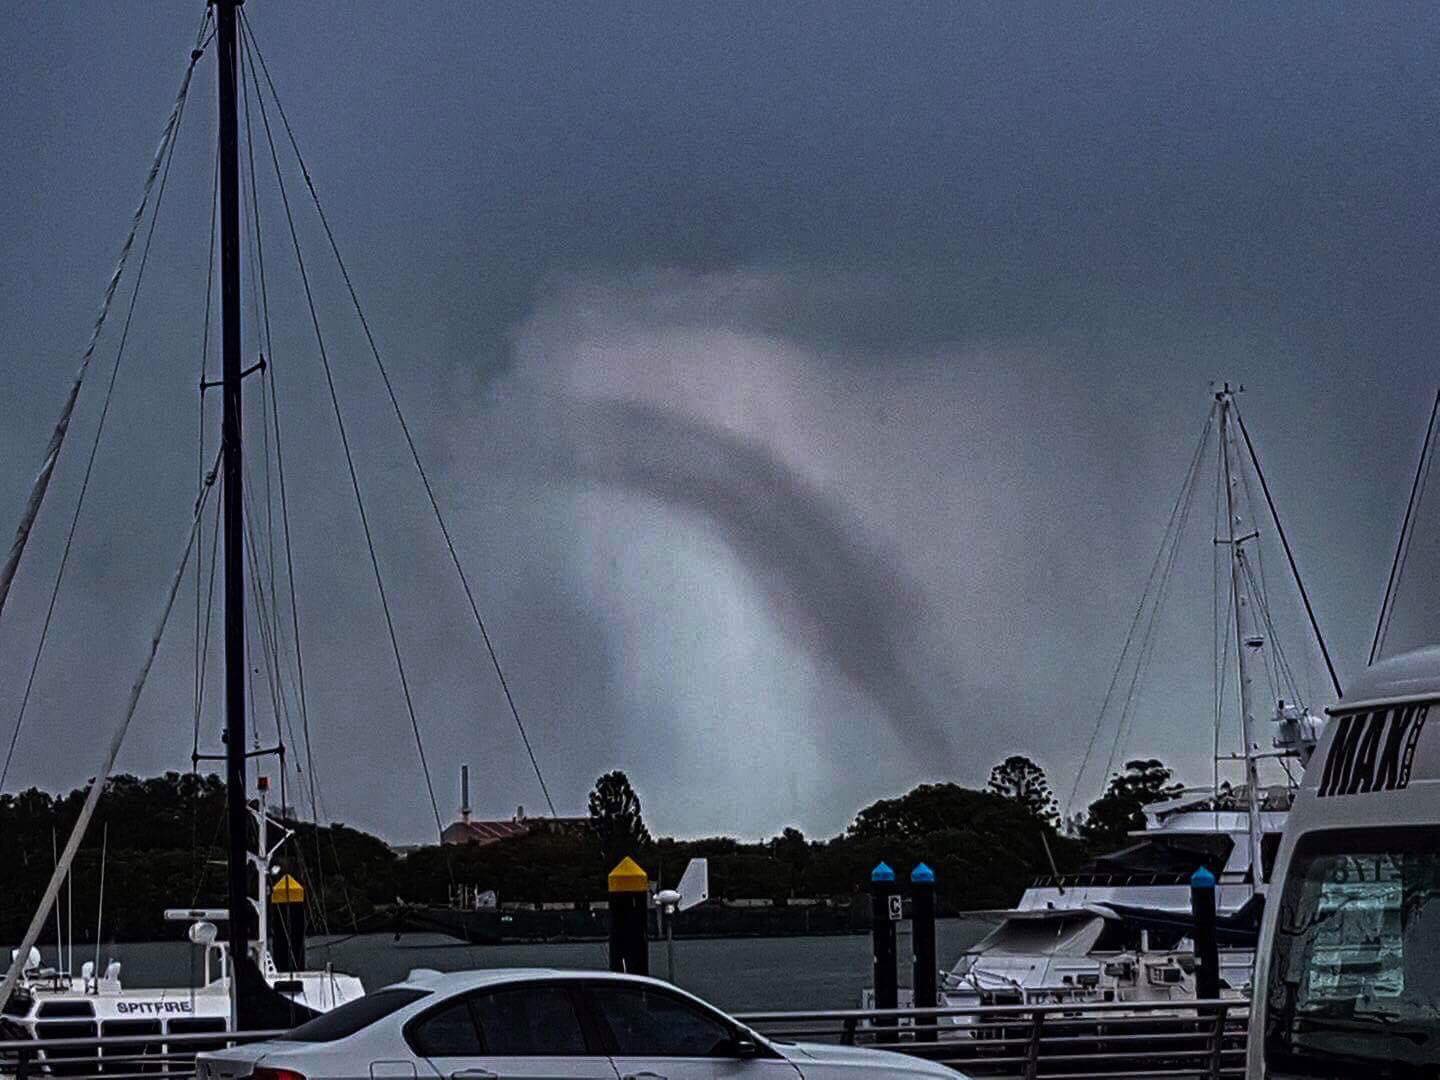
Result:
793,850
1120,810
615,817
1020,779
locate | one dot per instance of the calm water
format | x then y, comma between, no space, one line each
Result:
735,973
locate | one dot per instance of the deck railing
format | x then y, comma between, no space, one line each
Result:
1204,1040
1200,1040
116,1057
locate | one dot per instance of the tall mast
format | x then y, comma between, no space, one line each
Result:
239,922
1245,636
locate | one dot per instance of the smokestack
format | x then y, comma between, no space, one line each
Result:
465,793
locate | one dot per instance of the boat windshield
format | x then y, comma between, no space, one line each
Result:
1354,986
1177,854
1059,934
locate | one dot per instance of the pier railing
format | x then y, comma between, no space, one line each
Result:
1201,1040
1123,1041
116,1057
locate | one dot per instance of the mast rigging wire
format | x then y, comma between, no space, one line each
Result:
1402,543
354,477
1289,555
41,483
1147,641
394,401
1136,618
205,639
312,777
200,455
166,151
97,785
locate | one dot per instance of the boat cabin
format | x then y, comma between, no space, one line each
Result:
1347,978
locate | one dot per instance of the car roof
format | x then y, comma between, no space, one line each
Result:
451,982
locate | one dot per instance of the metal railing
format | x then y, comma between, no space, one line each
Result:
116,1057
1204,1040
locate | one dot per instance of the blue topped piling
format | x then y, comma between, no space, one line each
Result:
1207,952
923,965
885,912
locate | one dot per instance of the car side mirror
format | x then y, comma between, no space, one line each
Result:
743,1047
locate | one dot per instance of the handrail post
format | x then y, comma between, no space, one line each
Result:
1032,1051
1217,1042
847,1036
22,1064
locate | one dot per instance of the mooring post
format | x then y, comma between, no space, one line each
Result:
1207,954
923,965
629,899
287,927
885,911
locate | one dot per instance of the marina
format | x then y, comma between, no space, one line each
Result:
766,417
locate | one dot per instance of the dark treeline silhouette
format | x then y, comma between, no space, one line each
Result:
164,847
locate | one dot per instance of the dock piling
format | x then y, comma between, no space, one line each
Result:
885,911
629,888
1207,955
923,969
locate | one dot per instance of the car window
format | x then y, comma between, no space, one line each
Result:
449,1031
528,1021
353,1015
652,1023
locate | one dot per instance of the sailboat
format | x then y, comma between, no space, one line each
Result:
1119,930
244,985
49,1002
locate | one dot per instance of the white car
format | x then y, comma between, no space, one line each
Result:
526,1024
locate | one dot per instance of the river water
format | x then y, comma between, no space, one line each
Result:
739,974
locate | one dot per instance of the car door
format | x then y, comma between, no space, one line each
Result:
657,1035
526,1032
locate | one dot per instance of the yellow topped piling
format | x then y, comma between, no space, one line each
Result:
287,891
628,877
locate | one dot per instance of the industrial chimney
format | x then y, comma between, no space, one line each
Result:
465,793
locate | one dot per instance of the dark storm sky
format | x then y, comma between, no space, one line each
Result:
808,385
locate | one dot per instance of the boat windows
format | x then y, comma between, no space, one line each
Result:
1354,989
130,1027
133,1050
347,1019
68,1060
1067,934
56,1009
194,1025
1178,855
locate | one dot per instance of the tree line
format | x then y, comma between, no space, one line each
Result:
159,843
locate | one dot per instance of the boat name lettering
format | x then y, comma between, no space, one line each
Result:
1372,750
128,1008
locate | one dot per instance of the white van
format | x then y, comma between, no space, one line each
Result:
1347,981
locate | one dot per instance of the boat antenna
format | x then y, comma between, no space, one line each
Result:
100,903
59,936
1402,544
238,924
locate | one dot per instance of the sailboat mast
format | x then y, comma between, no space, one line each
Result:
239,904
1245,638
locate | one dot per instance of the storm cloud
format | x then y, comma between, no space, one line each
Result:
807,386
